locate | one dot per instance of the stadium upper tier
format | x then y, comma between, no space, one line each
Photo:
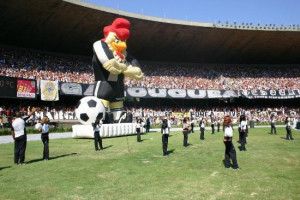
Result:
71,26
36,65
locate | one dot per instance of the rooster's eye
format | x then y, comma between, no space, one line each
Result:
116,40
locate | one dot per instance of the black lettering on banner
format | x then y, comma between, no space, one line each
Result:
177,93
282,92
71,89
291,92
158,93
263,93
214,94
254,92
273,92
201,94
137,92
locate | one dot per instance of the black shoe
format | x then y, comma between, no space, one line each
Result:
292,138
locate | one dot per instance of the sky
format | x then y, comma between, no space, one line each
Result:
278,12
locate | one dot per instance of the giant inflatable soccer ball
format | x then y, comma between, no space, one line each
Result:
89,109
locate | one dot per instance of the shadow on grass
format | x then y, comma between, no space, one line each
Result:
51,158
107,147
4,167
284,138
170,151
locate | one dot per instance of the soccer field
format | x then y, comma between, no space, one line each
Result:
126,169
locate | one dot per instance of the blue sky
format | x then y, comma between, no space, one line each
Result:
276,12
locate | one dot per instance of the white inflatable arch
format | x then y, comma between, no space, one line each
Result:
106,130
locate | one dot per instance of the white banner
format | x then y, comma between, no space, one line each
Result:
49,90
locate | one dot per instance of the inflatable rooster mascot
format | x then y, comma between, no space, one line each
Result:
111,63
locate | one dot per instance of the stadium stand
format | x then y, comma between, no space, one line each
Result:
23,63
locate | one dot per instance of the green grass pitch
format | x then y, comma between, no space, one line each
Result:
126,169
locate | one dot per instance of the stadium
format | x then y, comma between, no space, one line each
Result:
191,70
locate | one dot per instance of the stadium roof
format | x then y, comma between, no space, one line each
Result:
71,26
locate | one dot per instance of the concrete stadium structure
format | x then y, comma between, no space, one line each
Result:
71,26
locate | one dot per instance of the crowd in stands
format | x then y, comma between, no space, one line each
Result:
256,114
41,66
36,65
156,115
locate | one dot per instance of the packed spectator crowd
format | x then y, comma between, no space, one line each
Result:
176,114
41,66
256,114
36,65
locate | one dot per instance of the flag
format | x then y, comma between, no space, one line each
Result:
49,90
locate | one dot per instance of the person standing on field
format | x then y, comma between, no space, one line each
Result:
202,129
18,132
230,153
273,128
45,137
185,132
165,135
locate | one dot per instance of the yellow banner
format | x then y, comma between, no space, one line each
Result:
181,114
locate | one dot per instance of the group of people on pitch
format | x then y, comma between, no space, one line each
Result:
18,131
230,152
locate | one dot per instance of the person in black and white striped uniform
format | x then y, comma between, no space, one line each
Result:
230,153
288,128
111,63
